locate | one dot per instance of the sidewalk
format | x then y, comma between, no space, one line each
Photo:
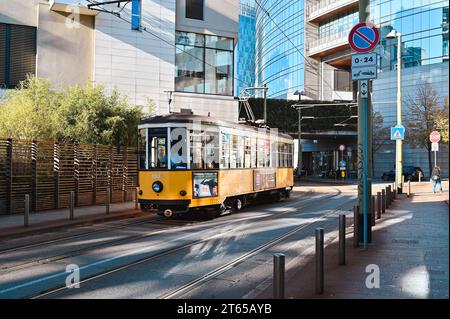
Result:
12,225
410,248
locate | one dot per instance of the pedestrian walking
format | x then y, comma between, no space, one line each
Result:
436,177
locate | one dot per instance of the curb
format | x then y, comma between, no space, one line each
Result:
18,231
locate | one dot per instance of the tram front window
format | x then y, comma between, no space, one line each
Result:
157,148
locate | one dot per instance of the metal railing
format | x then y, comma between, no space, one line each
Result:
325,43
324,6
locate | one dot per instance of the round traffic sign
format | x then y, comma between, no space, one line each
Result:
435,137
342,147
363,37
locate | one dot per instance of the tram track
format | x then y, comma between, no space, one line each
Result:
215,272
104,229
167,224
222,269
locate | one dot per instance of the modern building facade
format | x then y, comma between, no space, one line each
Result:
245,49
316,62
424,28
279,62
182,56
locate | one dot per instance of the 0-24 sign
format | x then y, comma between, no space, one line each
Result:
365,59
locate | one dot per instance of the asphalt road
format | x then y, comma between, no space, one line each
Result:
189,257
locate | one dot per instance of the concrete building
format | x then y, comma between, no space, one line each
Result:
182,56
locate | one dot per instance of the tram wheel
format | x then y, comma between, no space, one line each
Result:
238,204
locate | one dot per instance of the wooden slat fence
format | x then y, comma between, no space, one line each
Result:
49,171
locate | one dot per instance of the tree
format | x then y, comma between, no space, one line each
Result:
442,122
89,116
424,117
79,114
380,134
30,111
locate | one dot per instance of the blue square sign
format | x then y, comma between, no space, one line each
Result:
398,132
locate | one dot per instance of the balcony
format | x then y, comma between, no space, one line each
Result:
328,8
327,46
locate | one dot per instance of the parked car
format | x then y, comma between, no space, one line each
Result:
411,173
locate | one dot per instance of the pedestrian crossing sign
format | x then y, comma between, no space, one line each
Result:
398,132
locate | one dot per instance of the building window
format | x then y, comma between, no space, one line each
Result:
342,81
194,9
17,53
204,64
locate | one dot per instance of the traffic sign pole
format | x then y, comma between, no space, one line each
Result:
364,139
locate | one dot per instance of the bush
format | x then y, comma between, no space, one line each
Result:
84,115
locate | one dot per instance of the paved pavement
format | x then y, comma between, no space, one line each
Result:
12,225
410,250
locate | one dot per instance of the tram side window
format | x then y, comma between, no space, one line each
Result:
142,144
212,149
253,152
234,147
178,148
247,152
290,152
260,153
157,147
280,154
197,149
225,152
267,153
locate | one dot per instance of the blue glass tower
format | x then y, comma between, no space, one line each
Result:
278,62
423,25
245,50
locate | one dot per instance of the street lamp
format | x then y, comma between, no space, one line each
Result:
398,143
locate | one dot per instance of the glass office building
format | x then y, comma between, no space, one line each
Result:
278,63
245,49
424,28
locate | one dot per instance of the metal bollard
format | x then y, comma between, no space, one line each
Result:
395,194
26,214
108,199
319,260
409,189
342,239
383,201
355,226
378,205
420,177
136,200
388,196
373,210
71,205
278,276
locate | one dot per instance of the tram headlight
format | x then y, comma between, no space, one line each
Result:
157,187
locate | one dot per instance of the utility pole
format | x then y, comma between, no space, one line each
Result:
364,127
299,159
399,143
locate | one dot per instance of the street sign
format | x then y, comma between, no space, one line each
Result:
398,132
435,137
364,88
342,164
363,37
435,147
364,59
342,147
364,73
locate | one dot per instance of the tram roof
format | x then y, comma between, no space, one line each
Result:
190,118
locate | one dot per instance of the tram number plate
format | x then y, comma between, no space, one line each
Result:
264,179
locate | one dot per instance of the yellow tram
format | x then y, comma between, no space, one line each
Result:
189,162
